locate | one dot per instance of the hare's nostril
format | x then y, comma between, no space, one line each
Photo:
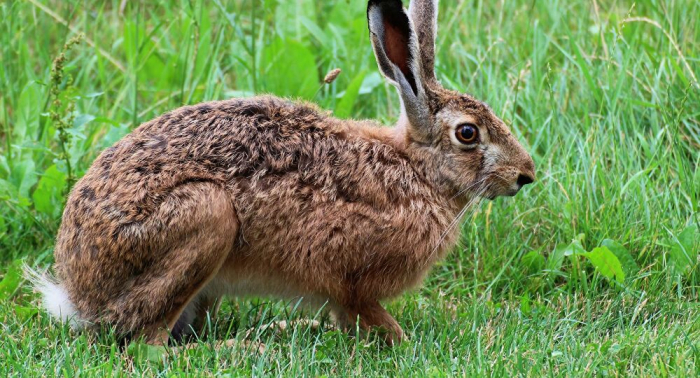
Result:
524,180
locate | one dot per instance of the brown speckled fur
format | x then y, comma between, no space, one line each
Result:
264,196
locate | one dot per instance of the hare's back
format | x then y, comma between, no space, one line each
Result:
213,141
223,142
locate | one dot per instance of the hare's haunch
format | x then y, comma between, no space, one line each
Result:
267,197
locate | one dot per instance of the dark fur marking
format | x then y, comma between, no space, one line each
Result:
257,112
77,225
204,109
157,167
87,194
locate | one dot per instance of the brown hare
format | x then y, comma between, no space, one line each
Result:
268,197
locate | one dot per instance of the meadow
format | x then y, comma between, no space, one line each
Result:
591,271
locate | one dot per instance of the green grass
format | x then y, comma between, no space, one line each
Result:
604,94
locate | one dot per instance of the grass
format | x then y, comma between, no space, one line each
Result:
604,94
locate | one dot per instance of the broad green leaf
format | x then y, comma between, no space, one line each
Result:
347,30
684,250
344,107
291,71
574,249
629,266
25,313
7,190
533,262
23,176
576,246
342,14
525,307
146,353
3,107
10,282
114,134
3,226
28,111
556,258
205,56
315,31
371,81
4,166
605,263
290,14
48,195
82,119
93,94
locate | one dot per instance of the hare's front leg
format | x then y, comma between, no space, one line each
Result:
372,316
200,229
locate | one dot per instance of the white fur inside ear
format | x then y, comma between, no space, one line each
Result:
54,297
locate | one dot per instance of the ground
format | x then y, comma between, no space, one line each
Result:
591,271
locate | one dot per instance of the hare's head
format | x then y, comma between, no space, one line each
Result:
477,153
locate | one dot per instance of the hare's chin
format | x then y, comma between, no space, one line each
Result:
510,192
504,192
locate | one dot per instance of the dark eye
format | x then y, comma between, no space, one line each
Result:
467,133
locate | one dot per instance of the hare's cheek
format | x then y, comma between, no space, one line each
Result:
465,167
493,158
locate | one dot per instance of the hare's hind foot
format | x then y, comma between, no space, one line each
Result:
371,317
194,320
201,231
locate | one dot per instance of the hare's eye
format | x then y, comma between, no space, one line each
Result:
467,133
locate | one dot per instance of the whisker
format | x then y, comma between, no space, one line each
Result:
468,188
461,214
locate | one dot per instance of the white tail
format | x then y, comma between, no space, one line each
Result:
54,297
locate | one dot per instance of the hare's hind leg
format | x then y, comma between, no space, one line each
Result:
199,226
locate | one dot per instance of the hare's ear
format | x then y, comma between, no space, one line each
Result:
424,16
396,49
394,43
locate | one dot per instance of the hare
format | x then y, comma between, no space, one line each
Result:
269,197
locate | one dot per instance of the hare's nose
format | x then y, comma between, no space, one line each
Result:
524,179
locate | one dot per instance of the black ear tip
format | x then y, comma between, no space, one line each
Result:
391,11
386,4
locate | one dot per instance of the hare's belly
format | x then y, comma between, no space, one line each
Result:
230,284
